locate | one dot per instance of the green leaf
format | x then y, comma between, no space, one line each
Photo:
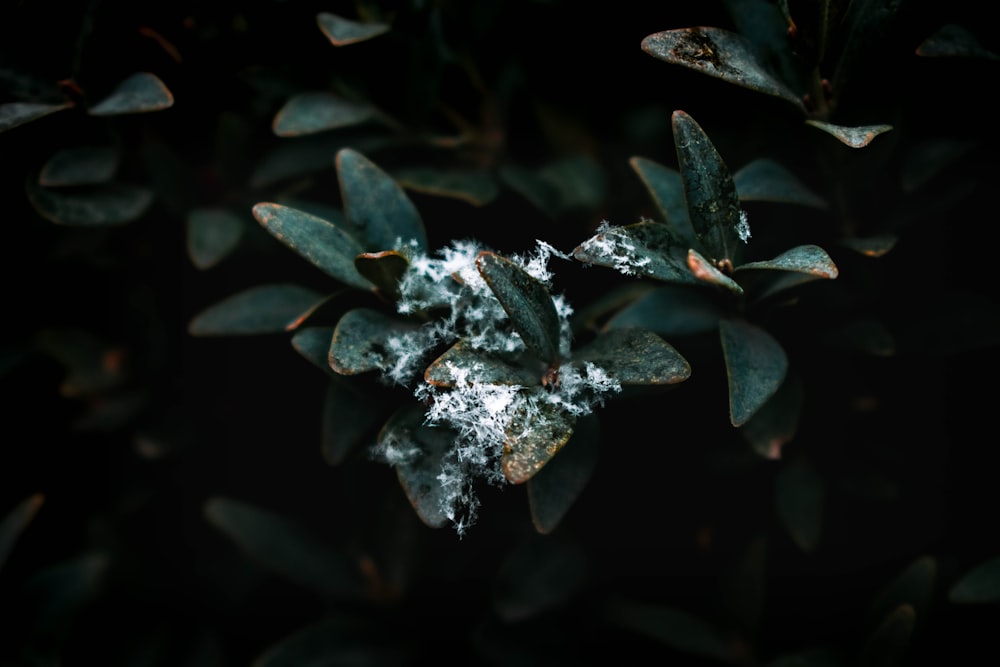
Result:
776,423
527,303
141,92
704,270
765,179
667,189
361,341
979,585
538,430
342,31
318,111
349,419
328,310
809,259
384,270
263,309
676,628
648,249
280,545
635,357
669,311
709,190
325,245
913,586
13,114
15,521
553,489
375,202
83,165
419,451
719,53
855,137
477,366
538,575
887,645
756,365
313,343
930,158
799,493
473,186
212,235
99,206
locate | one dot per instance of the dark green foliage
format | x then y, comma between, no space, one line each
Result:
499,333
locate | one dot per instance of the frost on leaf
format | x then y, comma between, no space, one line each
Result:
485,390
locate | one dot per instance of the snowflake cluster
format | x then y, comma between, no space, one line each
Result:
478,413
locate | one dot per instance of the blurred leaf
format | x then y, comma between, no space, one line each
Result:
342,31
855,137
744,589
84,165
864,335
570,183
799,493
756,365
719,53
526,301
815,24
809,259
537,575
553,489
318,111
325,245
328,310
59,592
764,179
375,202
349,418
264,309
418,451
647,249
928,158
479,366
704,270
954,41
280,545
334,641
667,189
361,340
474,186
15,521
669,311
13,114
873,246
635,357
913,586
888,643
212,234
141,92
765,25
813,657
104,205
384,270
597,314
709,190
313,343
979,585
776,423
93,366
678,629
538,430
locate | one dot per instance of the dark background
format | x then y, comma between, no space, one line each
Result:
677,501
